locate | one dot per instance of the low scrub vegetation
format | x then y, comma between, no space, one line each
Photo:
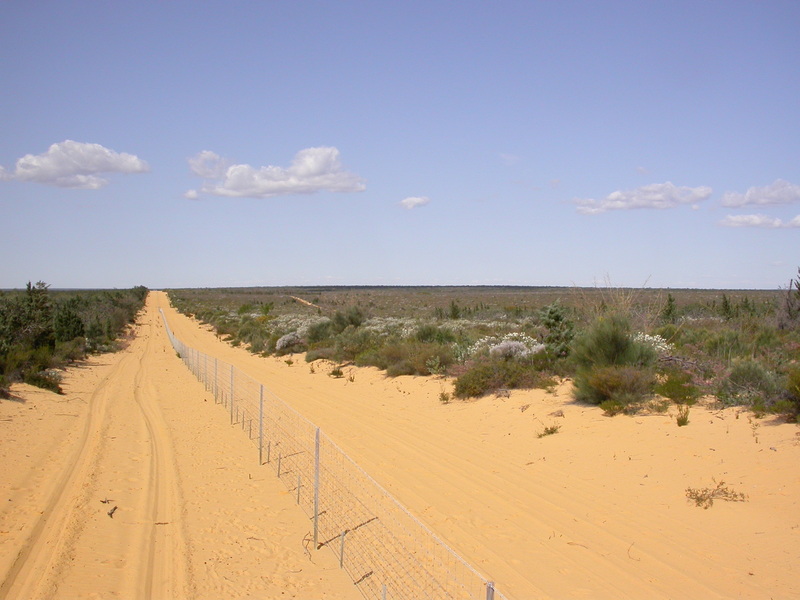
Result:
624,349
42,330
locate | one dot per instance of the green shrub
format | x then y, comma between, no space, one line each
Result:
678,387
70,351
321,353
560,329
726,344
790,405
669,314
320,331
610,365
748,383
351,342
493,375
67,323
626,385
430,334
401,367
609,342
351,317
404,357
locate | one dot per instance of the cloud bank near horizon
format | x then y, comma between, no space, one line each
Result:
311,170
760,221
72,164
656,195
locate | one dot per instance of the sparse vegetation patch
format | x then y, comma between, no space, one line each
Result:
624,349
704,497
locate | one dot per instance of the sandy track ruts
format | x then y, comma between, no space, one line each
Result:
166,551
140,546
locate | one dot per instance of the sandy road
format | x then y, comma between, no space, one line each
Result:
113,499
133,485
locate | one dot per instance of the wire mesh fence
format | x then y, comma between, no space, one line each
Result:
387,552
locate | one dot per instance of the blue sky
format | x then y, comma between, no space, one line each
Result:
194,144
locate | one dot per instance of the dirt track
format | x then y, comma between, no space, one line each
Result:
132,486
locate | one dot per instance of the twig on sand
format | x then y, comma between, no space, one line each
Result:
306,543
629,553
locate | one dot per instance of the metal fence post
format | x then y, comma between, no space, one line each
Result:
490,590
231,394
261,425
216,386
316,488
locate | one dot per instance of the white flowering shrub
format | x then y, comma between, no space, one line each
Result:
510,345
656,342
383,327
508,349
287,342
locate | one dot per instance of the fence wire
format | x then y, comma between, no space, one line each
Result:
387,552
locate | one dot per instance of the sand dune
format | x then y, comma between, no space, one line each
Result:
597,510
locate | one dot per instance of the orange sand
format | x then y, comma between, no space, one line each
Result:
597,510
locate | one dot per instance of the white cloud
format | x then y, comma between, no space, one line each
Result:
208,165
761,221
414,202
779,192
312,170
75,165
656,195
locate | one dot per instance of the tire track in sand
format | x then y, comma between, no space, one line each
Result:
124,451
165,574
31,574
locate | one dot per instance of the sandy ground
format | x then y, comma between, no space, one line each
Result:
133,485
597,510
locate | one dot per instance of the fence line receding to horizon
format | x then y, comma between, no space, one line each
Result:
387,552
